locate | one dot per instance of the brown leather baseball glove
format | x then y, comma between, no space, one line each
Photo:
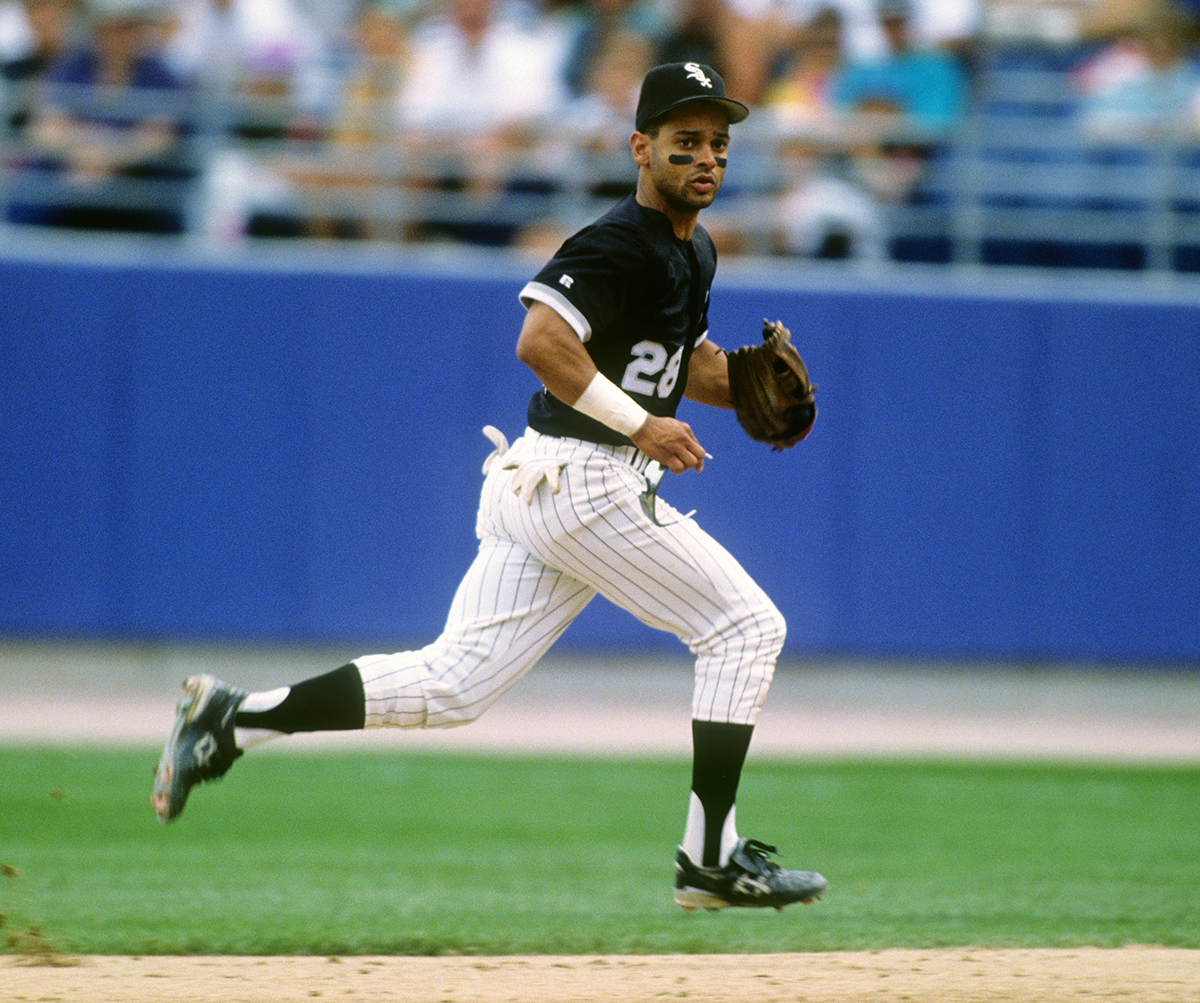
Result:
771,392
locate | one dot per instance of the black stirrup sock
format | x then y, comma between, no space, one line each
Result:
332,702
719,750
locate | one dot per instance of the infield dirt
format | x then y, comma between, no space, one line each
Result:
1142,974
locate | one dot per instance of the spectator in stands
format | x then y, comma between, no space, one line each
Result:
752,35
112,113
251,48
483,79
592,24
695,32
52,24
592,143
909,88
610,95
801,95
1144,85
903,104
263,70
759,33
823,211
1104,21
16,36
350,187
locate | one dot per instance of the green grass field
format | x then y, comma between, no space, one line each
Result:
350,853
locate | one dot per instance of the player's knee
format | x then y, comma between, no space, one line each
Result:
734,671
765,644
755,632
766,630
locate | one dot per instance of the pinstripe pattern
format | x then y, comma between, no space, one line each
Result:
538,566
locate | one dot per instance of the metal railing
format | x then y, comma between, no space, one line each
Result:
1018,182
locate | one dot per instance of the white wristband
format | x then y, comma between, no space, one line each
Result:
611,406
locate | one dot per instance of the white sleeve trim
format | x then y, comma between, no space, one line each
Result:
542,293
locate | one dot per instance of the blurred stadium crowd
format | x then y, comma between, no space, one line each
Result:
1051,133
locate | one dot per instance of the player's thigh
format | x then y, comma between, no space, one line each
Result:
508,610
692,585
509,600
675,576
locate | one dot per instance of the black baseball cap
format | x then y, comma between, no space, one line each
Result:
669,86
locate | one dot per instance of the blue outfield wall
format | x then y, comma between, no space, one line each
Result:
253,452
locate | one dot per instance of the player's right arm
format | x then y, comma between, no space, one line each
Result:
549,346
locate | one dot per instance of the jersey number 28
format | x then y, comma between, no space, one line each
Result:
652,373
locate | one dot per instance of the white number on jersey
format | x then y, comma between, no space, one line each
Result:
651,372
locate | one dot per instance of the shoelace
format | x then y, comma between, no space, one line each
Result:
756,854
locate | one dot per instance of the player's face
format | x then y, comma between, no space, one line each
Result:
686,160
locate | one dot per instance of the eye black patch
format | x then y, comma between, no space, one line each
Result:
721,162
680,159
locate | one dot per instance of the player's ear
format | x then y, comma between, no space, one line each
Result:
639,145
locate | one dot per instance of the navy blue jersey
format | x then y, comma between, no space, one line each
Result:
637,296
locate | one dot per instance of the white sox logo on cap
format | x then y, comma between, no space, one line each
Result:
668,86
696,72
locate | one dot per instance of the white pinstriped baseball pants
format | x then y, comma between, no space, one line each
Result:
539,565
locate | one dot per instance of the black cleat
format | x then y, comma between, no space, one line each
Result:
748,879
201,746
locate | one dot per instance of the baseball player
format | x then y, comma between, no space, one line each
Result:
616,330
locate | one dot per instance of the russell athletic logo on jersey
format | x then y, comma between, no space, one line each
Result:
696,73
